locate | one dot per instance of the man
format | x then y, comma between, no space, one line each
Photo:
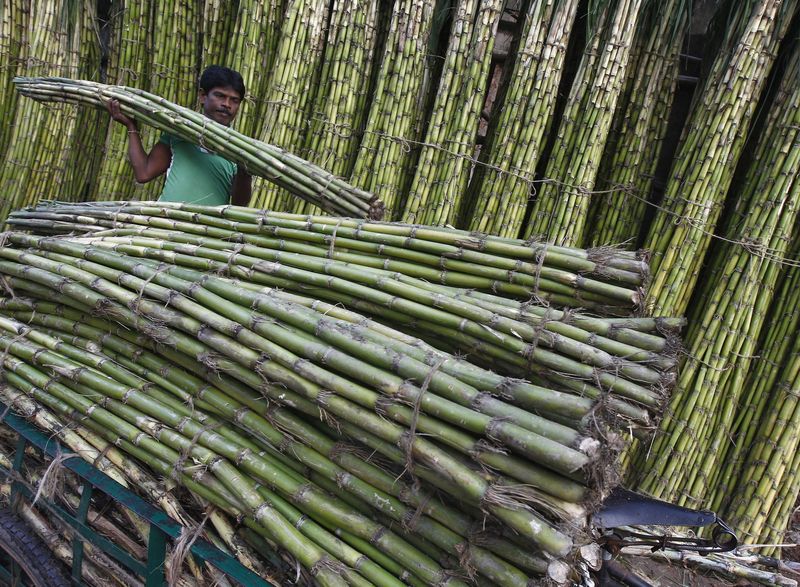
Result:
194,175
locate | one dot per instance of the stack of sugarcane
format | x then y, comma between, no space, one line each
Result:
120,525
697,458
293,86
90,130
605,280
625,179
337,114
129,53
392,272
13,19
174,68
386,153
34,162
200,361
250,50
302,178
562,202
219,18
444,165
767,454
502,187
710,147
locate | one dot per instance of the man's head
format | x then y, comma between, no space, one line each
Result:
221,92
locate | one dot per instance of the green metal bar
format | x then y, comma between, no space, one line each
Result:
166,526
77,542
19,454
84,531
156,553
16,488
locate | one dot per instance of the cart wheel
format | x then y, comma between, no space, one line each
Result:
37,563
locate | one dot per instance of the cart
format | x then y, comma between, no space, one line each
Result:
25,560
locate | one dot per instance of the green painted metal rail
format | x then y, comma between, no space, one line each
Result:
162,527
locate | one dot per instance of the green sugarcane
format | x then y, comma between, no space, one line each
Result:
775,346
293,88
247,460
534,446
40,308
502,188
273,162
620,349
438,184
338,109
602,262
262,241
253,423
384,155
547,358
746,283
559,215
509,515
641,127
24,377
292,170
514,517
711,155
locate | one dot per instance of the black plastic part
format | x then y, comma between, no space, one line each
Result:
626,508
624,576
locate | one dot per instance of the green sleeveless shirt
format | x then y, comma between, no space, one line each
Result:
195,175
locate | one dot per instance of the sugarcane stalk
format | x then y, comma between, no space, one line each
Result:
515,517
259,158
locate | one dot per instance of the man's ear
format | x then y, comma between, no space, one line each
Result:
202,95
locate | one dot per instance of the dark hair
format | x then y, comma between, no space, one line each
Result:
217,76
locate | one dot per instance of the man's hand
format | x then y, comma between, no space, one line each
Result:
116,114
241,188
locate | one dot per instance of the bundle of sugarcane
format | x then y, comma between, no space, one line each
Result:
174,68
82,158
710,147
219,18
633,360
427,413
444,165
251,52
561,206
116,523
725,328
737,566
339,108
605,280
761,504
501,188
293,86
387,150
128,51
302,178
34,160
625,179
14,17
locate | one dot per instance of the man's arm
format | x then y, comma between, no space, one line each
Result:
146,166
241,187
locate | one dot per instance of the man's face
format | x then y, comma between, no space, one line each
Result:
220,104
